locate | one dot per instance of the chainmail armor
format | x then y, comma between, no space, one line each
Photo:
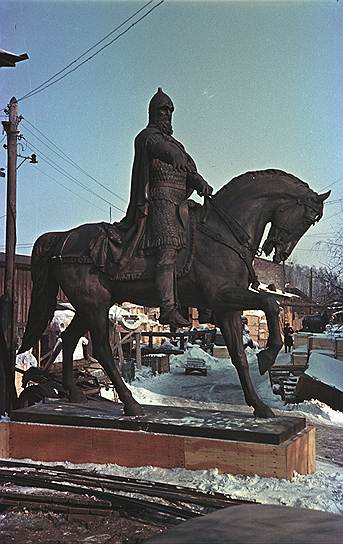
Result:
167,191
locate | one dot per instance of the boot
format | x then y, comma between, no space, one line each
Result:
169,314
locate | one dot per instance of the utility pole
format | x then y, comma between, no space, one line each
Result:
310,289
8,299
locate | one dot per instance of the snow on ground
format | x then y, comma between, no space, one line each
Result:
320,491
221,390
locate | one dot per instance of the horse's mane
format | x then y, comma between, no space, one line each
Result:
250,181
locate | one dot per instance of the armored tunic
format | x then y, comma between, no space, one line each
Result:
168,189
157,189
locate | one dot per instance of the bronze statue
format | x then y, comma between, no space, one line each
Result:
222,241
163,177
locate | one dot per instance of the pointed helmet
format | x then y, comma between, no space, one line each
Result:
159,100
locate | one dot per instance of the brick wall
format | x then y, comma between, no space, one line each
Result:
269,272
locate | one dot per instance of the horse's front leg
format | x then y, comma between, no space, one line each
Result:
231,327
237,298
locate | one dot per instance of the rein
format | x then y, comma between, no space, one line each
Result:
239,233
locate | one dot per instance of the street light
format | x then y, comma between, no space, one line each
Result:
8,60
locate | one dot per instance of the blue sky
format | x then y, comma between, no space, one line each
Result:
255,85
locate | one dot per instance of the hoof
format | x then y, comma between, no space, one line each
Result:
133,409
264,412
76,396
265,361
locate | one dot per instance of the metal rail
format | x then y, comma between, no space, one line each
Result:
152,501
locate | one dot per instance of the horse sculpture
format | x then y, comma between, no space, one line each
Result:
225,237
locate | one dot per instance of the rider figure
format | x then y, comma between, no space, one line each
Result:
163,176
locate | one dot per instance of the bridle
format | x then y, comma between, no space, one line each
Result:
243,238
287,227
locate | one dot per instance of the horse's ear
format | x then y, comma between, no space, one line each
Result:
324,196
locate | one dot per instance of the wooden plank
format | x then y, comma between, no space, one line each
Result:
4,440
89,445
50,443
235,457
312,450
294,455
134,449
297,455
301,453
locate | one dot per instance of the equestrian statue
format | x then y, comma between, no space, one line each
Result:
172,252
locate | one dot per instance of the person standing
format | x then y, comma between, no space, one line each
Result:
288,337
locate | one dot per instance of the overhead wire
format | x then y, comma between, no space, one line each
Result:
66,174
65,157
331,184
89,49
51,81
68,189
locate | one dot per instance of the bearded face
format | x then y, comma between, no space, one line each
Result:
162,117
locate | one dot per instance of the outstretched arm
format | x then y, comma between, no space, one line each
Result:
197,182
159,148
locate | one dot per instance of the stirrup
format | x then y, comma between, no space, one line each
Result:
174,318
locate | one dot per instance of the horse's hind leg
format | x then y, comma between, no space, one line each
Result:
231,328
99,329
70,338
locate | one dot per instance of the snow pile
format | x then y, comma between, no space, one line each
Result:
317,412
25,360
326,369
61,320
194,352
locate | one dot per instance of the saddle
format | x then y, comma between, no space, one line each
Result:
108,246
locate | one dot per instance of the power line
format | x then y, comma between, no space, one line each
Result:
66,174
65,157
334,201
317,235
331,216
48,83
89,49
311,249
68,189
22,246
331,184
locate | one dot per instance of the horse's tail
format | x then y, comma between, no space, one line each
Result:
44,291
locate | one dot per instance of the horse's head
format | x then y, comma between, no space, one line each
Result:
290,222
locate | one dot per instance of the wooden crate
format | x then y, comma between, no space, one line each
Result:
159,364
321,342
339,349
299,356
301,339
220,352
45,442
